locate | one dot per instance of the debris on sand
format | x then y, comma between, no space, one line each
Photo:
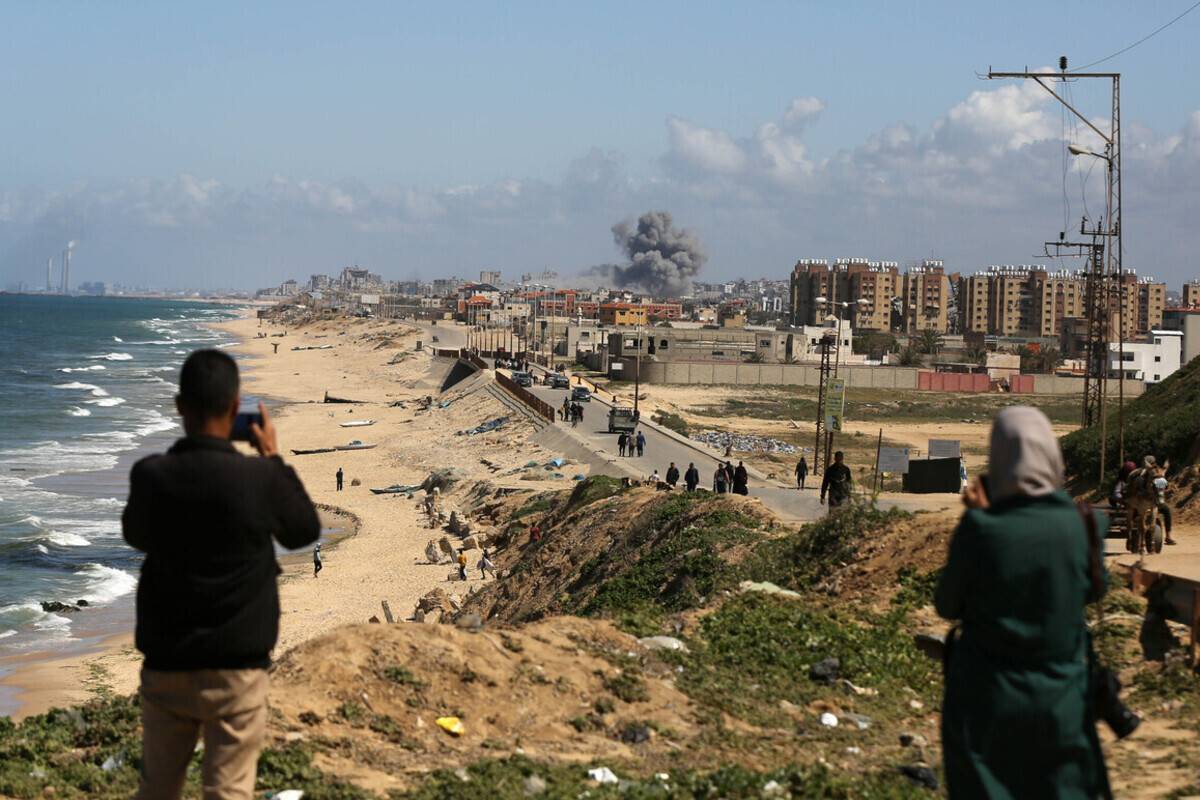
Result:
487,427
743,442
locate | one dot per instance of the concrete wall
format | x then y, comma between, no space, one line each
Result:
1059,384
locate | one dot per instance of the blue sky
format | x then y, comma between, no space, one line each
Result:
253,141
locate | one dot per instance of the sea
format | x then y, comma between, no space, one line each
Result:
87,386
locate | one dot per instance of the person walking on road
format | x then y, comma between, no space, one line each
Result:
641,444
672,475
566,409
317,565
622,441
339,479
719,481
741,480
801,472
1021,690
836,483
691,478
728,474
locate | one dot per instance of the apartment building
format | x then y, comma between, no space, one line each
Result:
847,280
1191,294
622,314
926,298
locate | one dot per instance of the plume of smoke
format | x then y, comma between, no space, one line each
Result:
663,259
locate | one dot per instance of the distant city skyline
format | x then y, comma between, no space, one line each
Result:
243,146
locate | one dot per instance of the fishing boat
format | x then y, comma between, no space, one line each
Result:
358,423
354,445
313,451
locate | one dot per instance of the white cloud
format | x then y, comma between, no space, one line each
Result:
707,149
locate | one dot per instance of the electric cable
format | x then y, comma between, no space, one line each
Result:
1148,36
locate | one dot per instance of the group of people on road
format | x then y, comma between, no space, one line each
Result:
516,365
629,444
571,411
728,478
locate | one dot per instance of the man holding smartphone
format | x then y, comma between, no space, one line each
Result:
207,600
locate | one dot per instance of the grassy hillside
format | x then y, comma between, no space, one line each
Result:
1162,422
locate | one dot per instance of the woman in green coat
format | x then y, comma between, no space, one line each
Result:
1016,717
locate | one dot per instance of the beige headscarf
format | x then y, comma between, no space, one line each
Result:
1025,459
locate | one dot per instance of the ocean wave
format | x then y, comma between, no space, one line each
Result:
21,614
180,352
76,411
106,402
92,368
113,357
7,633
64,539
161,341
95,391
107,583
41,548
118,339
156,422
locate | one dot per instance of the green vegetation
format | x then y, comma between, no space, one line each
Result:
875,345
403,676
535,505
592,490
671,421
1162,422
510,779
757,649
931,341
627,686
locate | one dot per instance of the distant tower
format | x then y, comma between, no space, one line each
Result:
66,268
50,274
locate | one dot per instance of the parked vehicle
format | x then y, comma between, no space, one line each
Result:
560,381
580,394
522,379
621,420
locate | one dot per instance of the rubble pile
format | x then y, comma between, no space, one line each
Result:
744,442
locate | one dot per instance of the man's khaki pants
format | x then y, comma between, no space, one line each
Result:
228,705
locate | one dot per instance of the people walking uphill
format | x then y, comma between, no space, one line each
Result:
339,479
317,564
741,480
641,444
691,478
207,518
462,564
719,481
622,443
801,472
1022,686
837,482
672,475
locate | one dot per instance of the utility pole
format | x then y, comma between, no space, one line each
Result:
1105,277
820,450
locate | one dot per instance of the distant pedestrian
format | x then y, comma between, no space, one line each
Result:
729,450
485,564
672,475
317,565
641,444
741,480
836,483
719,481
462,564
801,472
729,474
622,443
566,409
654,478
692,477
339,479
535,533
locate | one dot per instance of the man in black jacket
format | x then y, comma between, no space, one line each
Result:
836,483
691,477
207,601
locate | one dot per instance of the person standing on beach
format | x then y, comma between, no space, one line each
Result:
672,475
317,565
462,564
339,479
485,564
207,599
691,478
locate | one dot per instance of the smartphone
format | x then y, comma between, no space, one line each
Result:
247,413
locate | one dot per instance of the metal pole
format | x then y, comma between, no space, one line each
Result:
637,374
878,451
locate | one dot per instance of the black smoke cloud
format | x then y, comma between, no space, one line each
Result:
663,259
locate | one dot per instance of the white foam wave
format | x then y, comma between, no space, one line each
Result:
92,368
118,339
64,539
76,411
107,583
7,633
95,391
106,402
41,548
156,422
114,357
180,352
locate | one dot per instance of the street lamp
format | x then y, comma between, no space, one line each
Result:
822,301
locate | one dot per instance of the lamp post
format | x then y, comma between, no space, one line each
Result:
637,373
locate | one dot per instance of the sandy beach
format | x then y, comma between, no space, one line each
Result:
384,559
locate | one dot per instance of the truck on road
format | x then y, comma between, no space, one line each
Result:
621,420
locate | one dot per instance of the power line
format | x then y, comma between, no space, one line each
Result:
1148,36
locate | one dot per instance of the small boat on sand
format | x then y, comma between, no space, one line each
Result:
358,423
354,445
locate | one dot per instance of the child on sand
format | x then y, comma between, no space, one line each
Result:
462,564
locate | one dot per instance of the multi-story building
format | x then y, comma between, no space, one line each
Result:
1191,294
973,304
926,298
491,276
622,314
816,288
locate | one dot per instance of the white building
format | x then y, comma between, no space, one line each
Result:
1151,360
